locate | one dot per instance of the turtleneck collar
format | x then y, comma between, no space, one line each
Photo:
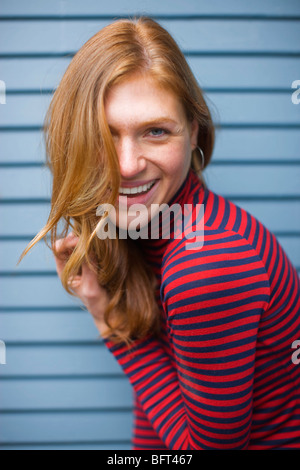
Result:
190,192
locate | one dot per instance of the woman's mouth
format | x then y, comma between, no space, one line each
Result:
136,190
137,195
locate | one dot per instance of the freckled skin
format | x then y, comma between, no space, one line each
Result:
153,138
154,141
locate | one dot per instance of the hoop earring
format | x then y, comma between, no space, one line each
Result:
202,157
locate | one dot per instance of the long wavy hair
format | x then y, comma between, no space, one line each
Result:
84,164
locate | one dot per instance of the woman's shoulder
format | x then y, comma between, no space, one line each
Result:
211,221
219,233
222,215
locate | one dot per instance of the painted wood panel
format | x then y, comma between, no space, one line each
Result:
239,144
212,72
230,181
65,394
24,220
151,7
193,35
46,360
61,389
40,259
55,427
238,109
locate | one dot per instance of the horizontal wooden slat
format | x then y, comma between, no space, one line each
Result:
41,259
254,36
65,427
167,7
22,219
22,147
38,291
123,445
252,108
257,144
291,247
25,220
211,72
277,216
106,393
227,108
192,35
238,144
228,180
59,360
249,72
24,110
38,184
36,74
57,326
34,292
232,181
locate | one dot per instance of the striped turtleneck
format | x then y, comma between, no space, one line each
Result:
222,375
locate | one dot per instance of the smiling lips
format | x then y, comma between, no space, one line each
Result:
142,194
132,191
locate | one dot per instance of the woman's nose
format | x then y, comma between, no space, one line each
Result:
131,159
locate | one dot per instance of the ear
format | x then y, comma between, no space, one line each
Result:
194,131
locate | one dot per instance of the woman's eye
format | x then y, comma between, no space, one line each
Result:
157,132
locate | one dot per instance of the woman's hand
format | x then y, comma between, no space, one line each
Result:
85,285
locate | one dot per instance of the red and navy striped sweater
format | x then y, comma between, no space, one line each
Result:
222,375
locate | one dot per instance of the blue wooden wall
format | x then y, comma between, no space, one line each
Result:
60,389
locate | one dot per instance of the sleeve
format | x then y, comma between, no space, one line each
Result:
203,398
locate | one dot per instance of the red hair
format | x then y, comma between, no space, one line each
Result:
85,167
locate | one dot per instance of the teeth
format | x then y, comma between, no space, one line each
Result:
138,189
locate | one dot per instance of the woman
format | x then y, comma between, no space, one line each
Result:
204,335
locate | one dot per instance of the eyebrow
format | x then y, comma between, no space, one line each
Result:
153,122
160,120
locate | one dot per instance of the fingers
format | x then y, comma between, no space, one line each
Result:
85,282
90,284
65,244
85,285
75,283
94,296
62,251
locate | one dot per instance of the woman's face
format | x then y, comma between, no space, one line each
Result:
154,142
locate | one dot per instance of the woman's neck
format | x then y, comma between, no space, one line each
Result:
160,231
